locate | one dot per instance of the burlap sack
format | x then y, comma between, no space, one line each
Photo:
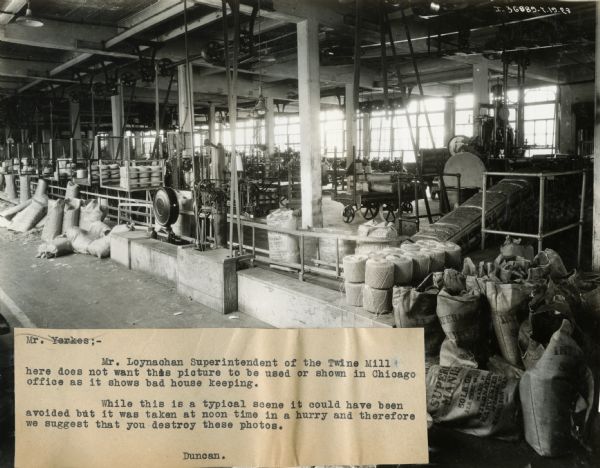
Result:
549,392
473,401
459,316
54,219
416,308
508,307
90,213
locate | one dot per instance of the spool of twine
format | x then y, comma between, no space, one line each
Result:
421,264
354,268
410,247
403,269
453,255
354,294
379,273
377,301
437,258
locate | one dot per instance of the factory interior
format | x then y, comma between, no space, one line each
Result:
314,164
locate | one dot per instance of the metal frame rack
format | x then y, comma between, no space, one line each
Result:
540,235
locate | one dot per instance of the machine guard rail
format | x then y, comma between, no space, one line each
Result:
540,235
302,234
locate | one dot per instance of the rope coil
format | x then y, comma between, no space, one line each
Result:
379,273
354,294
354,268
377,301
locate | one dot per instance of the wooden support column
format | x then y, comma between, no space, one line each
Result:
212,128
186,109
270,125
596,187
481,94
75,120
449,119
566,127
521,115
309,95
366,135
351,130
118,113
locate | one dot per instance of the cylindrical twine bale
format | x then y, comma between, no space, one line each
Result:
379,273
11,188
428,243
366,248
41,189
403,269
453,255
24,189
437,258
377,301
421,263
410,247
354,268
354,294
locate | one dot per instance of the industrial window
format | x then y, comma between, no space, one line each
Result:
386,144
463,115
287,132
333,131
250,132
540,119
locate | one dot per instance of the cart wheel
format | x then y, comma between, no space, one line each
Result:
369,211
348,213
407,207
388,212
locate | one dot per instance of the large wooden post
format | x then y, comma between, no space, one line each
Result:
351,131
309,95
481,93
270,125
596,187
186,109
117,112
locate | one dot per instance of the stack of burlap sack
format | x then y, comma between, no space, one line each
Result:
504,351
73,227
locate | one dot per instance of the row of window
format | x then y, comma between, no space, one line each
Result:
391,133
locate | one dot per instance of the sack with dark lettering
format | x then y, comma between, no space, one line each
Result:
451,355
556,392
508,307
459,315
415,308
473,401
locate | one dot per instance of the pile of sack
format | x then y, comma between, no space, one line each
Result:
504,353
71,227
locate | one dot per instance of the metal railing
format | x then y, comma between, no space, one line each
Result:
540,235
335,268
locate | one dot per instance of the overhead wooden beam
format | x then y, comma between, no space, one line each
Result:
54,35
13,6
140,21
